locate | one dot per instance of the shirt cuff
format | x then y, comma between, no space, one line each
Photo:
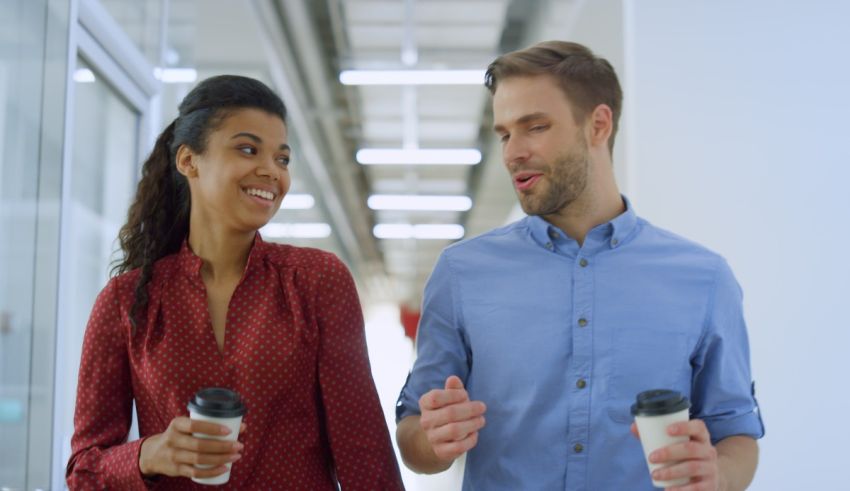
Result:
748,424
120,466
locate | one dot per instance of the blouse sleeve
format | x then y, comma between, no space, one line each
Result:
101,457
357,431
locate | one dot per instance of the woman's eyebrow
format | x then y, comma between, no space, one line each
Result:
257,139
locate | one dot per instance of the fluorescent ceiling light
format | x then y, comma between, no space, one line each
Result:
176,75
83,75
403,156
298,202
412,77
424,231
419,202
296,230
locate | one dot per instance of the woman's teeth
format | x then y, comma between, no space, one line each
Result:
260,193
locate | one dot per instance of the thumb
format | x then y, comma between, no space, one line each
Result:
453,382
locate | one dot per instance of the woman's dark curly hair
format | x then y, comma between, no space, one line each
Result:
158,220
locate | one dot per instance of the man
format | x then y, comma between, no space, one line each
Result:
536,337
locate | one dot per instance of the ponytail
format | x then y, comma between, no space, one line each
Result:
158,219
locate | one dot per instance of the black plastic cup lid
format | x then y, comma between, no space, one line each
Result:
217,402
659,402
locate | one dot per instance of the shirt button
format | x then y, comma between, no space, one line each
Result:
578,447
549,246
581,383
582,322
614,242
583,262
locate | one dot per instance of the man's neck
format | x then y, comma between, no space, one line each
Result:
594,207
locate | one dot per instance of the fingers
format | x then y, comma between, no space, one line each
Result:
683,451
438,398
634,430
453,382
454,413
187,470
693,469
695,429
203,445
193,458
186,425
454,432
454,449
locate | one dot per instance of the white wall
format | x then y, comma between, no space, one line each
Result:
738,139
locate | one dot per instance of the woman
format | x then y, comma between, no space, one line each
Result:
202,301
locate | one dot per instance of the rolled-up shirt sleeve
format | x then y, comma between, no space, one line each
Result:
441,348
723,391
101,456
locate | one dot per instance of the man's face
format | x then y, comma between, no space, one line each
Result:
544,149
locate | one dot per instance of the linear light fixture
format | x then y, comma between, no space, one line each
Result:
422,231
296,230
298,202
176,75
83,75
412,77
415,202
427,156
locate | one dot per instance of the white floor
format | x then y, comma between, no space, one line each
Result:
391,355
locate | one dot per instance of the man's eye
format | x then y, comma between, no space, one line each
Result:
503,138
539,127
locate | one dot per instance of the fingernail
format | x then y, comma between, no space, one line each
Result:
653,457
235,457
224,430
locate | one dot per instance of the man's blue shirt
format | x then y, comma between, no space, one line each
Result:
557,340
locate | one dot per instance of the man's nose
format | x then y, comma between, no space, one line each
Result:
515,151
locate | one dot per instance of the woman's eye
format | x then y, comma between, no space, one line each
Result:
248,150
283,160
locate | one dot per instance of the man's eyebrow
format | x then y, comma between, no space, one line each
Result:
257,139
524,120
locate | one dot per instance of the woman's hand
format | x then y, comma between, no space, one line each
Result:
175,452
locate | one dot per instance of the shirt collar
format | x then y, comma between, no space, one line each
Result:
611,234
190,264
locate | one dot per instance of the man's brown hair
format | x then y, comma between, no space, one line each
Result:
586,79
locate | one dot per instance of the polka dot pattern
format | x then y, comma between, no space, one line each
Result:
294,349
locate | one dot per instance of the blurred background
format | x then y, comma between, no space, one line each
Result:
731,135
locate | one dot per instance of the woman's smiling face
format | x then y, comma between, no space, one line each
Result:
242,176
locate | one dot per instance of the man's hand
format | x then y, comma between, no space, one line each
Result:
450,420
695,459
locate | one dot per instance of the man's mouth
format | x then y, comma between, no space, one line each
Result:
526,180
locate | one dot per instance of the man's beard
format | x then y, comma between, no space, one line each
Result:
565,182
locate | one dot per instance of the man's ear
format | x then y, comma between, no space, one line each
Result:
601,121
186,164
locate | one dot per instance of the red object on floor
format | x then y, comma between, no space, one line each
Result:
409,320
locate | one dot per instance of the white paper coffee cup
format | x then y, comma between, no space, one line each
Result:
221,406
654,411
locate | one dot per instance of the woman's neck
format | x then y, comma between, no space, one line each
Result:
223,252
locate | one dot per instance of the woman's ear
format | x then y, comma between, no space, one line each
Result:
186,164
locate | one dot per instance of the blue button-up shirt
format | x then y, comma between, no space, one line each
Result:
557,339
